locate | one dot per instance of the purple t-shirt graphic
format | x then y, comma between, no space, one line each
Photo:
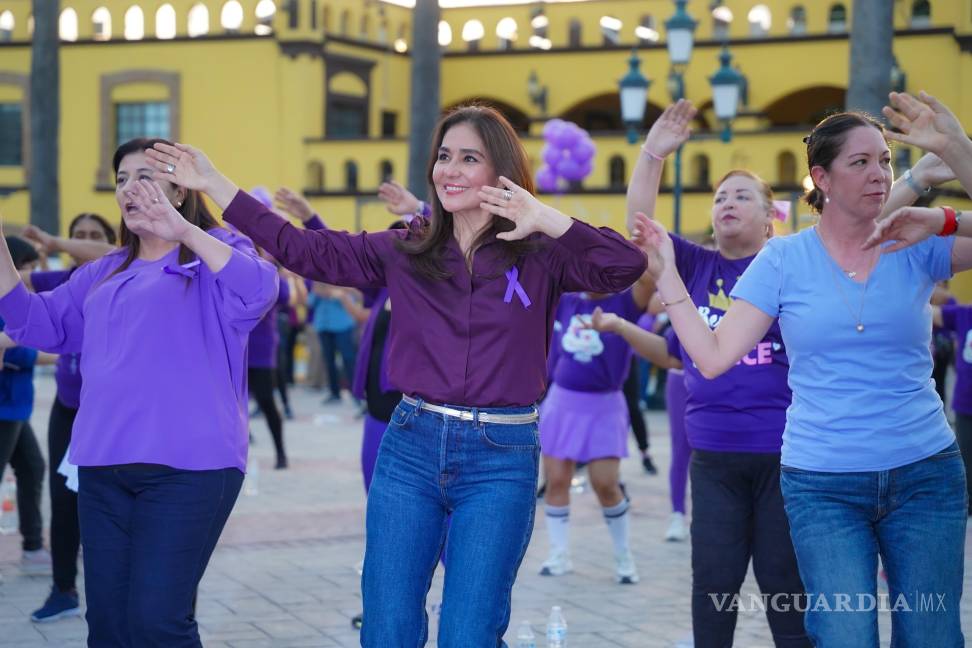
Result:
585,360
744,409
958,319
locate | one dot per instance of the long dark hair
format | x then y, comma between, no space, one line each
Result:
426,246
193,208
824,144
109,231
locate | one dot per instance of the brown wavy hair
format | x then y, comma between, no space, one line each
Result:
427,245
193,208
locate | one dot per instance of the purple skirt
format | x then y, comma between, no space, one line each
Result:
584,426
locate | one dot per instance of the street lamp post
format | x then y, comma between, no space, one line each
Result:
633,90
726,83
680,34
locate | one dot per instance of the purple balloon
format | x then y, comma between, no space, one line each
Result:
584,150
568,136
547,179
554,125
570,169
551,155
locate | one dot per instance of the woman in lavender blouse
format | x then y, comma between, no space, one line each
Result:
474,290
161,432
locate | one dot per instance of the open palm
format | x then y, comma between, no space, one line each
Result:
670,130
190,168
155,216
398,200
924,122
906,226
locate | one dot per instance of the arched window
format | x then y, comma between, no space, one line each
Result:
326,18
6,26
646,32
700,171
616,172
231,17
575,33
345,27
921,13
265,10
445,33
760,20
386,171
473,32
721,20
506,32
101,24
350,176
315,176
611,30
134,23
539,22
365,30
837,18
165,22
198,21
797,23
67,25
786,169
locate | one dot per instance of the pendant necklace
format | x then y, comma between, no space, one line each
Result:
859,326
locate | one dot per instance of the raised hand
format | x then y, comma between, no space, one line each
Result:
294,204
906,226
930,171
671,129
398,200
528,214
40,238
604,322
924,122
155,216
183,165
652,238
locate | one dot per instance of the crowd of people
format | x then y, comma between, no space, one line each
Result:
802,405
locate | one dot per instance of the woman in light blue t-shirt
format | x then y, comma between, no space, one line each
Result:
870,464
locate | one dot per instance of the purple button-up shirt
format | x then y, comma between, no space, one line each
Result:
457,340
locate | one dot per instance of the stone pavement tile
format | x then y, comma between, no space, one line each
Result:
287,630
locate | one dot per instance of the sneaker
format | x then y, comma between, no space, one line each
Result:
557,564
36,563
648,465
625,571
59,605
677,529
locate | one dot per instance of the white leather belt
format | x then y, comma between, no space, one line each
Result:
484,417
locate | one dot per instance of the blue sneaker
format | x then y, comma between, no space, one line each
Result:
59,605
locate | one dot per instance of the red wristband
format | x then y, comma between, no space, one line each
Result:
951,224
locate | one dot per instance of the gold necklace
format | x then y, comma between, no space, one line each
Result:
833,275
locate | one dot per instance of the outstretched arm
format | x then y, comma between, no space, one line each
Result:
650,346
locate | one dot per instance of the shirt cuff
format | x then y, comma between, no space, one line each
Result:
315,222
14,306
242,209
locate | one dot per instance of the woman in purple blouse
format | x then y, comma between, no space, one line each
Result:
474,290
160,436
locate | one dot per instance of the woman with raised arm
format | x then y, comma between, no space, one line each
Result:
870,465
161,432
734,425
474,290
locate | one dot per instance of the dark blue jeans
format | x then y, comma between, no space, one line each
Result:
429,466
148,532
914,517
332,344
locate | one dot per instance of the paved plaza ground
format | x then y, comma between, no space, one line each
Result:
284,573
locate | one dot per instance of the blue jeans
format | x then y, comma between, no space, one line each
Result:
148,532
914,517
331,345
429,466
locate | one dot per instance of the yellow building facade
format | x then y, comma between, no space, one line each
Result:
314,94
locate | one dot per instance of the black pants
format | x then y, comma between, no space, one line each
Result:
65,533
737,514
963,434
261,381
18,447
285,357
631,387
289,344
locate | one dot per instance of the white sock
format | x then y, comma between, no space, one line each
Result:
558,526
617,521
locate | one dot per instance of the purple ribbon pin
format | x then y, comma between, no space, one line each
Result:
513,284
185,269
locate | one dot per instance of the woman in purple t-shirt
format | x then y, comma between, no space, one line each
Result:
90,237
734,424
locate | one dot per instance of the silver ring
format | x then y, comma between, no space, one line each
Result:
170,168
155,200
507,195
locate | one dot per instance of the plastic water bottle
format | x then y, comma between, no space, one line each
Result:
251,484
556,629
525,637
8,508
